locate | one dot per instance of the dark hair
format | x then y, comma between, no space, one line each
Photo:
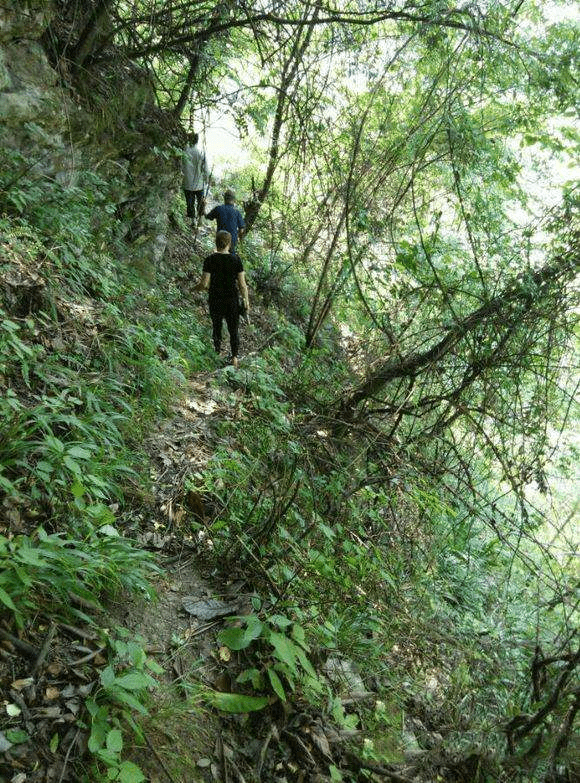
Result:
223,239
229,196
193,137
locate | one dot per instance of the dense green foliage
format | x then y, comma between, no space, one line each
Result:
385,483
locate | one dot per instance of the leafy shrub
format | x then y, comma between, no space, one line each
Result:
123,691
62,442
51,568
282,655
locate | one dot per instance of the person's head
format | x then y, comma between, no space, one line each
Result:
193,138
229,197
223,240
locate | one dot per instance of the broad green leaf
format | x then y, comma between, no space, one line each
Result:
55,444
234,638
254,629
107,677
240,638
276,684
54,743
134,681
251,675
280,620
306,665
6,600
237,702
79,452
71,464
114,741
285,670
97,738
77,489
136,652
285,650
17,736
219,525
130,773
153,666
125,697
31,557
299,636
7,486
108,757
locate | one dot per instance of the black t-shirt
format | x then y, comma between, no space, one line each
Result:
223,269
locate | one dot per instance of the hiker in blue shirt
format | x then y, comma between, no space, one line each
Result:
228,218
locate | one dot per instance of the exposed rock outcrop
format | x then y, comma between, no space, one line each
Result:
52,128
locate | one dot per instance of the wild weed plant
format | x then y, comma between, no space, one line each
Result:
58,573
114,710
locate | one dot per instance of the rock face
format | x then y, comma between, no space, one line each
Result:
24,19
29,85
33,106
51,129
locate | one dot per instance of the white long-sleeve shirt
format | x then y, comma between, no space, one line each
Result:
194,167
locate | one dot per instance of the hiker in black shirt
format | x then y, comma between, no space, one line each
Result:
223,274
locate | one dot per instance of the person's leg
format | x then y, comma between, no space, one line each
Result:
190,202
232,317
216,315
198,203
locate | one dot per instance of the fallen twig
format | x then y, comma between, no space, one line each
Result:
66,758
84,603
222,752
262,757
357,764
82,633
24,647
89,657
353,698
44,650
238,774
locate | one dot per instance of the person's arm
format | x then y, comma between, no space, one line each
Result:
203,284
243,289
211,215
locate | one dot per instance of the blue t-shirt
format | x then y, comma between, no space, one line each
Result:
228,219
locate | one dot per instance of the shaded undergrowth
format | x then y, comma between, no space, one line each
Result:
368,575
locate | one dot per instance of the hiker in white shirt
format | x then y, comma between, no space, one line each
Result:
195,173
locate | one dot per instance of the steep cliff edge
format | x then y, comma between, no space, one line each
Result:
56,125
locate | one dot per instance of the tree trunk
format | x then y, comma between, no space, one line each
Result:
189,80
317,318
88,37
